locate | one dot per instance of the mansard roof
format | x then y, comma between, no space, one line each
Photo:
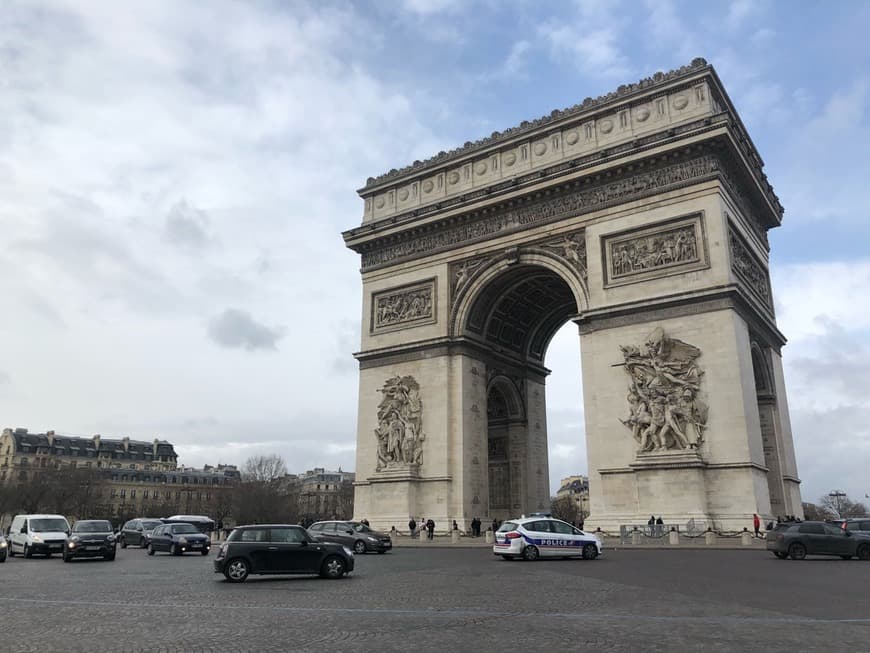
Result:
75,445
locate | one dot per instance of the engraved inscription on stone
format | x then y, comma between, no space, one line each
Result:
400,424
405,306
654,251
747,267
665,410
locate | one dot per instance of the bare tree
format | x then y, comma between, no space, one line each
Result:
565,508
837,505
264,469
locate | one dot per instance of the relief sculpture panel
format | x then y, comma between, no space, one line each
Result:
403,307
665,408
677,246
748,268
400,424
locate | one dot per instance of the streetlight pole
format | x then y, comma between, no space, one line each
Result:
837,496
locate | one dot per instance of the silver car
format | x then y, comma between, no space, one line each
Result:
353,534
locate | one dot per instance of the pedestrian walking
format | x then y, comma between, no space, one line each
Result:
412,528
651,523
660,526
756,524
494,525
430,526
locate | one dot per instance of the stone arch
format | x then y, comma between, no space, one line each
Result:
515,276
761,371
510,397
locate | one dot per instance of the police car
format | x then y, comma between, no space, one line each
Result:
534,537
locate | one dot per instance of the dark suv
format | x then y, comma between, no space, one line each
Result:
354,534
137,531
279,549
797,540
90,538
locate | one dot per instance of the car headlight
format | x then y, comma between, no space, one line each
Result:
348,551
182,540
110,539
372,539
71,544
3,544
36,538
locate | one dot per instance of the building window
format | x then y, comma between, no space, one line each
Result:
123,493
132,494
144,494
114,493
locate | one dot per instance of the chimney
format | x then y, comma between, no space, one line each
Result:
154,448
126,442
50,435
97,442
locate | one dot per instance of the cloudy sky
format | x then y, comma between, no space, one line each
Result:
175,176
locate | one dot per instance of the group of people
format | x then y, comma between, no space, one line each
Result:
656,525
426,525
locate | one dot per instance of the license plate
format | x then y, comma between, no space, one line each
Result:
92,548
55,547
195,546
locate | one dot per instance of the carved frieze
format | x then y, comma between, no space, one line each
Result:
400,425
675,246
510,218
462,272
748,268
404,306
666,411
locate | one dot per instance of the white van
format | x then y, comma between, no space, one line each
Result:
44,534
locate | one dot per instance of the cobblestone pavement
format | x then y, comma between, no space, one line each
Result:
442,599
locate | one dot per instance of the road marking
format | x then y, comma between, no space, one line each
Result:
429,612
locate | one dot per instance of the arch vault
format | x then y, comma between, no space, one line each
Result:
642,216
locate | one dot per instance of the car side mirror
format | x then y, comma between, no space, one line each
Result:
23,530
349,532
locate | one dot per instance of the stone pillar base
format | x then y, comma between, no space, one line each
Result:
673,537
454,537
710,537
635,537
489,537
746,538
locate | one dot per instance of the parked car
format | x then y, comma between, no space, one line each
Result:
178,539
203,524
91,538
4,548
358,536
46,534
531,538
280,549
137,531
797,540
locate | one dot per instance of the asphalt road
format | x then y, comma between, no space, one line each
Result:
441,599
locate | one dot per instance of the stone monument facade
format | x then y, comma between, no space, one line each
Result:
642,216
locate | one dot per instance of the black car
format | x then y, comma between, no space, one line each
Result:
4,548
797,540
279,549
177,539
358,536
90,538
137,531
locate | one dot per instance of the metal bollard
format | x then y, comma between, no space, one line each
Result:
746,538
454,537
710,537
635,537
489,537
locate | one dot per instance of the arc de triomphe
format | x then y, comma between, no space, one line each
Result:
642,216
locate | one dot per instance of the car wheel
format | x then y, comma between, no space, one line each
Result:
3,559
27,552
151,549
864,552
143,543
236,571
507,557
67,558
109,556
846,557
797,551
123,543
11,552
333,567
590,552
531,553
204,552
781,556
175,550
359,547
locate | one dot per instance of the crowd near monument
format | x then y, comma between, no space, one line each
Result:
642,216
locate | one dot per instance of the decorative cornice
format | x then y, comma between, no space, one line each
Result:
542,208
527,126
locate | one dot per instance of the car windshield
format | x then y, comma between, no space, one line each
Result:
149,524
507,526
92,527
183,528
361,528
48,525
